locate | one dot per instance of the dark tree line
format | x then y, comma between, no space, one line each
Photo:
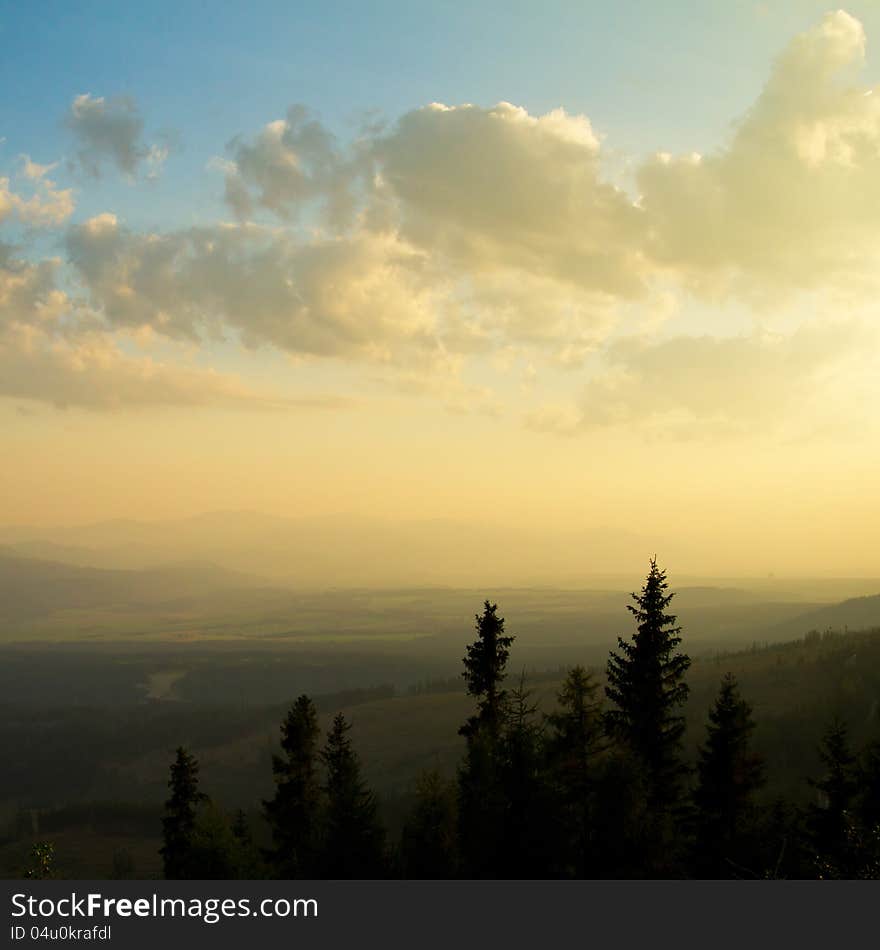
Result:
592,789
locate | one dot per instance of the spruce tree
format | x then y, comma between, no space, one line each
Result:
830,820
481,799
646,685
574,745
484,671
293,813
353,839
645,682
868,807
526,839
215,854
729,774
428,845
179,823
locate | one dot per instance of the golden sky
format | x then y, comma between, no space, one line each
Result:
469,312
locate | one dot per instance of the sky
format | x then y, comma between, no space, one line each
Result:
557,266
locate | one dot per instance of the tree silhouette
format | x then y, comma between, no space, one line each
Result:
573,746
829,821
42,862
428,843
484,671
527,844
729,774
215,854
179,823
869,786
353,840
481,796
645,682
293,813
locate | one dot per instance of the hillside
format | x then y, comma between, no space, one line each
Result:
856,613
31,588
120,754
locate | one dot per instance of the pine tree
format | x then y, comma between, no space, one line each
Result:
428,844
484,671
574,745
248,859
241,829
179,823
646,684
729,774
869,787
481,799
829,821
293,814
353,840
526,841
215,854
42,862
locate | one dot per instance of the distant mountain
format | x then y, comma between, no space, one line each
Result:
32,588
857,613
348,551
345,551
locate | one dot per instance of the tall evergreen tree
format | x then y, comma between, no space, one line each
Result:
484,671
526,839
646,685
353,840
429,846
215,853
729,774
829,820
293,813
573,746
645,682
868,805
179,823
481,800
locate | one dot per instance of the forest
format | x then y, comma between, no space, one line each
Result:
603,778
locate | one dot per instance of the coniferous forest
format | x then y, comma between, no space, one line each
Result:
600,787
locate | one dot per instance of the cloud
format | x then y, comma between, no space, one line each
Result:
93,373
47,206
500,196
291,163
710,386
33,170
500,189
28,292
793,202
110,131
508,232
457,233
366,297
53,350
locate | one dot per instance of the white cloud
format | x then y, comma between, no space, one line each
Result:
291,163
54,350
367,297
110,132
734,386
793,202
92,372
47,205
462,232
500,189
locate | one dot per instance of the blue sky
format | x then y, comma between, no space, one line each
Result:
649,75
